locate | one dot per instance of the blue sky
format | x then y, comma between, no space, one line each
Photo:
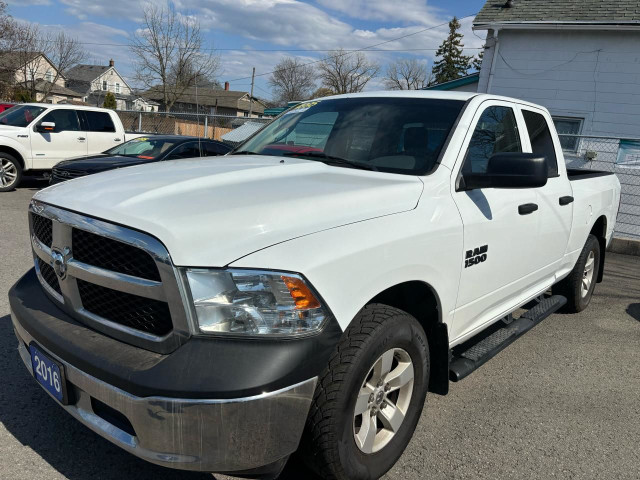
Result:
239,29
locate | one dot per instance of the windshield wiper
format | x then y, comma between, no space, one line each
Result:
331,160
244,152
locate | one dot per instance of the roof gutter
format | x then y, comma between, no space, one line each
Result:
557,25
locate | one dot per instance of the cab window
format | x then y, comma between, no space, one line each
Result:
496,132
65,120
541,139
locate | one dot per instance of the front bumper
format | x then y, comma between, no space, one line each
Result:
228,435
212,405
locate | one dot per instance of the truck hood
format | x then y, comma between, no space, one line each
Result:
212,211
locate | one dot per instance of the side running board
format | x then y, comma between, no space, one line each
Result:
472,354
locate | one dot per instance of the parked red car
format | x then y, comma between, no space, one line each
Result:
5,106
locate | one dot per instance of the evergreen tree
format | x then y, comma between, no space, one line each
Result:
110,101
477,61
452,63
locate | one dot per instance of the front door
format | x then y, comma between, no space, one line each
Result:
66,140
499,242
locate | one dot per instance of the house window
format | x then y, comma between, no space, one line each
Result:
246,114
117,88
568,128
49,76
104,85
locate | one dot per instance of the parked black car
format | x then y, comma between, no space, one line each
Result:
140,150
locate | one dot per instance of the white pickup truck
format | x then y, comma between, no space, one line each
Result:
303,293
36,136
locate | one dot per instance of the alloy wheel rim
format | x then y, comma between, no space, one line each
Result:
383,400
587,275
8,173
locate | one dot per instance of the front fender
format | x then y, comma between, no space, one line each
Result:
11,144
351,264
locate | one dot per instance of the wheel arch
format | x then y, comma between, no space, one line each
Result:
599,230
14,153
422,301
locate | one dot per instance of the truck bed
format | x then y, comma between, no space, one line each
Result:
581,174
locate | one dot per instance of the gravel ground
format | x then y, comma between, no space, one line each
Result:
561,402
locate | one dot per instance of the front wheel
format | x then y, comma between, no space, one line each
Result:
579,285
369,398
10,172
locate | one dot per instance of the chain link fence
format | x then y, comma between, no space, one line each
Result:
225,128
611,154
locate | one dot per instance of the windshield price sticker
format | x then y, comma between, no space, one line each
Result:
303,107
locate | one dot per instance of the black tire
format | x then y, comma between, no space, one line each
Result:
328,445
13,168
572,286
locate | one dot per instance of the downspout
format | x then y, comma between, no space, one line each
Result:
496,47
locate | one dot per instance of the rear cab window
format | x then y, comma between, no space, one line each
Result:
99,121
541,139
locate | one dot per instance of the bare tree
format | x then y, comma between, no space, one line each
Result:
406,74
344,72
7,25
292,80
170,53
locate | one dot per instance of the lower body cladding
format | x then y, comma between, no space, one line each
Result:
251,434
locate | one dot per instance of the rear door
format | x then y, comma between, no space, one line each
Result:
499,242
554,199
66,140
101,131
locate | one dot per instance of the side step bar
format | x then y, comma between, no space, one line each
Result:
474,353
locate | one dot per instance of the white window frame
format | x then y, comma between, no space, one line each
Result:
105,86
117,87
580,120
48,76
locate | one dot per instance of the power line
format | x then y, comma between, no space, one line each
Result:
369,48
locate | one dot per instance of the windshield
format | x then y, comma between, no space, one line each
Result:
147,148
390,134
20,115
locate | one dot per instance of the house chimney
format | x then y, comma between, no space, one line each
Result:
111,63
226,85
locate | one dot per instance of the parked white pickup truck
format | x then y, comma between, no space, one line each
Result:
36,136
306,291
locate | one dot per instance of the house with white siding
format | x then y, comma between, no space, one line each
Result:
581,60
93,82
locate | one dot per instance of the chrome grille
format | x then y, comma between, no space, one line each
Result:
115,280
42,228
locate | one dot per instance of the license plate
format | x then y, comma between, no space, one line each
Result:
48,373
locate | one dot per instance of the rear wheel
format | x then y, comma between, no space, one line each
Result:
369,398
10,172
579,285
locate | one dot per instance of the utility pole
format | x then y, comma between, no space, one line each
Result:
253,77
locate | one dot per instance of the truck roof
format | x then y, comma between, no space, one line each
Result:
64,106
434,94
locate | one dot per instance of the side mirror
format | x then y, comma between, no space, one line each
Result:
509,170
46,127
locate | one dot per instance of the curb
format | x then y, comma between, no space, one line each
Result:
625,246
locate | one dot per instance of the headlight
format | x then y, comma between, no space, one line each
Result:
250,302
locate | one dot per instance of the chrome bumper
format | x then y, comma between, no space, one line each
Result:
191,434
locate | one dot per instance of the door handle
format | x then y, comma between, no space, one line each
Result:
116,139
527,208
82,139
565,200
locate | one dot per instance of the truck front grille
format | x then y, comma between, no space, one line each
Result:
42,228
115,280
113,255
49,275
132,311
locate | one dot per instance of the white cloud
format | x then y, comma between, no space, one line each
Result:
409,11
